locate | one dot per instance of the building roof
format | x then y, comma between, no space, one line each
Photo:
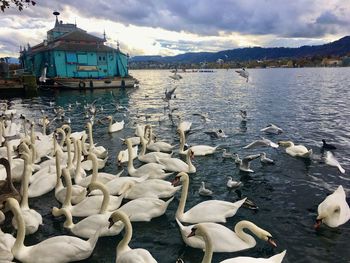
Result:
79,35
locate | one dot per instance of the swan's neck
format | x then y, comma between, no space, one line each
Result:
143,149
124,243
78,161
19,243
32,134
183,198
74,161
110,124
131,167
69,161
94,168
248,239
91,139
105,200
24,127
83,146
8,150
59,184
189,162
150,138
9,178
208,254
44,126
25,182
67,200
182,140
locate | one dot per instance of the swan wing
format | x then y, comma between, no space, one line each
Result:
138,255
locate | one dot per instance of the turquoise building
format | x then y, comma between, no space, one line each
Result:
70,52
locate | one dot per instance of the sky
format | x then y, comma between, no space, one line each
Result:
171,27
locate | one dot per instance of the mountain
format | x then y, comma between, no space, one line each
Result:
340,47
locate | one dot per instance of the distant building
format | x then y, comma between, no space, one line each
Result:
70,52
331,62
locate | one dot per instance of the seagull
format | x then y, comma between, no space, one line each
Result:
265,160
327,146
169,94
332,161
204,191
272,129
244,164
216,134
226,154
243,73
262,142
233,184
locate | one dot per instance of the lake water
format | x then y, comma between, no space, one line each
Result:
308,104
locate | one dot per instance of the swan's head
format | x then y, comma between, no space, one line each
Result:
266,236
190,153
285,143
117,216
180,177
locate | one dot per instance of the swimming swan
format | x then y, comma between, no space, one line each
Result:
296,150
201,231
334,210
177,165
219,210
6,243
7,188
58,249
224,239
151,156
125,254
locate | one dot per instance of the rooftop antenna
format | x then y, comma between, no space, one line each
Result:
75,22
56,14
118,45
104,35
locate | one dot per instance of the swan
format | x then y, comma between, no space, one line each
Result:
224,239
244,164
200,230
263,142
7,189
157,146
219,210
69,134
87,165
78,192
10,129
153,170
149,188
58,249
32,218
114,127
332,161
185,126
115,186
334,210
16,165
198,150
100,151
134,140
145,208
272,129
95,176
151,156
265,160
89,225
233,184
91,204
296,150
123,155
6,243
125,254
204,191
177,165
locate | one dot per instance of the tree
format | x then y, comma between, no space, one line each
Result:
20,4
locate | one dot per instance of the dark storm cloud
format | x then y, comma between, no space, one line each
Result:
302,18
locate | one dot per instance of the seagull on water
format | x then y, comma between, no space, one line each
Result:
244,164
263,142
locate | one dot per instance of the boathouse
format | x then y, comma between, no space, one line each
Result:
70,52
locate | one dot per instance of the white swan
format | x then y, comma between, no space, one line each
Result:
123,155
95,176
296,150
151,156
198,150
6,243
7,188
124,253
200,230
100,151
145,208
92,204
149,188
157,146
177,165
185,126
17,165
152,170
114,127
58,249
334,210
224,239
32,218
219,210
78,192
89,225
